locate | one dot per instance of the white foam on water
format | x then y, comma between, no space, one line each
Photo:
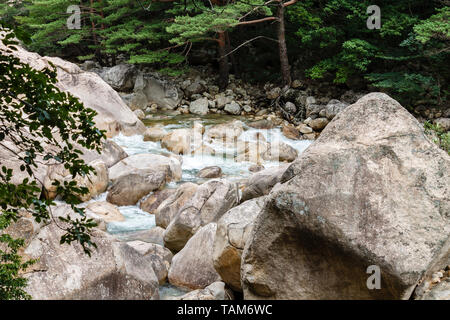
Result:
136,144
136,219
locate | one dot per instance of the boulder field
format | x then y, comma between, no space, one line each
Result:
371,191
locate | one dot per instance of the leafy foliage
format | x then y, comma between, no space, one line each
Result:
39,124
439,135
404,58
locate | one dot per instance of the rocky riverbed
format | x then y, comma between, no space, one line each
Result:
211,205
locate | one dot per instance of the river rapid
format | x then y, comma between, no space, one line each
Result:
137,219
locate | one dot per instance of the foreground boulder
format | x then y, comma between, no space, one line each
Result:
210,201
113,115
193,266
145,163
96,183
115,270
159,257
232,233
372,190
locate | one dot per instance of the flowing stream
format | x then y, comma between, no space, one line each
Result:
136,219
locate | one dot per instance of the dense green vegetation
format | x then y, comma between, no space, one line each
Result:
329,39
32,109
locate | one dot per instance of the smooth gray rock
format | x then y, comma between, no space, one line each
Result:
371,190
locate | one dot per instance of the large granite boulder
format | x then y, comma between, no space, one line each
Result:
159,257
169,208
373,190
120,77
128,189
158,91
233,230
145,163
210,201
183,141
96,182
193,267
115,271
113,115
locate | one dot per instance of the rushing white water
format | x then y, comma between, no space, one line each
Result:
136,219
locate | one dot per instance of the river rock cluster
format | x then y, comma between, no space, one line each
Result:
371,190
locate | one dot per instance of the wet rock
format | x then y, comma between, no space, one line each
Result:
154,134
193,267
210,172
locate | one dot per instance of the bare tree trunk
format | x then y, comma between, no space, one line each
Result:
223,61
232,57
284,61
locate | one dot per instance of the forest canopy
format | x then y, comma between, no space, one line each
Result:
324,40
